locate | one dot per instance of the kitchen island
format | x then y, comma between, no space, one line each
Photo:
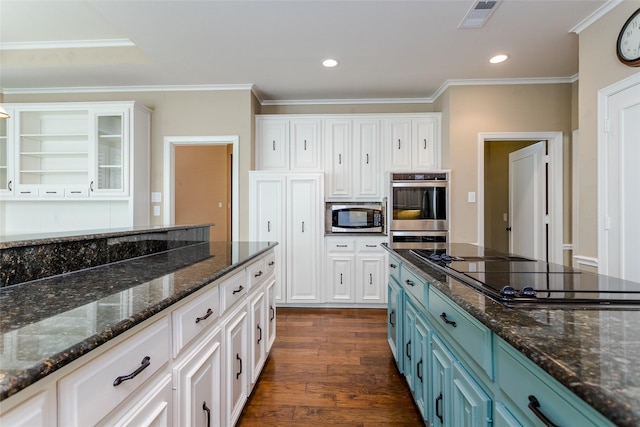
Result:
589,352
55,326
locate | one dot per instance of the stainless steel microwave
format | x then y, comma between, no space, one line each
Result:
355,217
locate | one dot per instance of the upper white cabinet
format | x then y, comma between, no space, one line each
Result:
412,142
288,143
353,168
6,162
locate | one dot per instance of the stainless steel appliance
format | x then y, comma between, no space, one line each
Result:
355,217
518,281
419,209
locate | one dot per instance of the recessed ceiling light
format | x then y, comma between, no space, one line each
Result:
499,58
329,63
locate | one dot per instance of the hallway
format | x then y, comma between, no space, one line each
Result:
330,367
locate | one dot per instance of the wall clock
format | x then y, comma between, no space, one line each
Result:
628,44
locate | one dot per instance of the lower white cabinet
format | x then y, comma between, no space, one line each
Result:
236,364
258,335
37,411
356,270
197,379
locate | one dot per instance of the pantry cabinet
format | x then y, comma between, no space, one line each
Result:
353,168
73,153
412,142
288,143
289,209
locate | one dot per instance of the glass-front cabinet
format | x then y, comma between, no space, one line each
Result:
6,165
109,160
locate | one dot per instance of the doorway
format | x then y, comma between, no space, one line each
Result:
227,145
496,185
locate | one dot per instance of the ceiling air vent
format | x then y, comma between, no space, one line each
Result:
479,14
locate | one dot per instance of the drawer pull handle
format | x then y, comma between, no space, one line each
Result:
258,274
410,282
393,266
419,375
408,349
240,289
439,409
208,411
272,263
260,337
144,365
341,246
273,313
443,316
209,313
240,360
534,405
371,246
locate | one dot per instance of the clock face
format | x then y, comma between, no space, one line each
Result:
628,46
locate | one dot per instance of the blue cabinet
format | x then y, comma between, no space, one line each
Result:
394,318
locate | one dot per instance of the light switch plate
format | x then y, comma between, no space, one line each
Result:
156,197
471,196
156,211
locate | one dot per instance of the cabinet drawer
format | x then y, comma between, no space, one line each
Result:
394,268
472,336
414,286
195,317
369,246
232,289
76,192
340,245
256,273
89,393
520,378
51,192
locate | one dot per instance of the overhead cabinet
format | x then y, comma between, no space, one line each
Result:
412,142
284,143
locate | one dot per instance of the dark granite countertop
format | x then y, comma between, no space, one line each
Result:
593,352
46,324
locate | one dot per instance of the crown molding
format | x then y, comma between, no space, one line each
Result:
599,13
102,89
66,44
348,101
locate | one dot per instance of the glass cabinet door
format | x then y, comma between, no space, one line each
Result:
109,154
6,177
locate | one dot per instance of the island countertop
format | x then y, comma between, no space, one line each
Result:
48,323
594,352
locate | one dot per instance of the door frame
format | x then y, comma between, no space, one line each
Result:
555,184
170,143
602,261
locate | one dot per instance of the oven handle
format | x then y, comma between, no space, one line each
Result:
400,184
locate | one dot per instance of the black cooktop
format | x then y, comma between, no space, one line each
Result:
514,280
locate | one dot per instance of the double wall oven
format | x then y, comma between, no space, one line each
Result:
419,209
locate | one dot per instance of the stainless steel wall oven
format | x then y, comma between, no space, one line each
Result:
419,209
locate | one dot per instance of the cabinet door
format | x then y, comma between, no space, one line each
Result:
426,153
272,144
304,244
197,379
398,138
441,365
7,159
471,405
370,278
341,277
422,387
394,320
306,149
110,157
366,136
271,313
338,133
257,335
37,411
266,218
236,365
408,344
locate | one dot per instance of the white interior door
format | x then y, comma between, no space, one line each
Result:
527,187
622,198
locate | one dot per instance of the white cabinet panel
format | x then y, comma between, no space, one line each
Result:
412,142
235,365
288,143
38,411
272,145
339,143
306,145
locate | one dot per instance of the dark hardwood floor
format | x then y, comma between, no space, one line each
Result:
330,367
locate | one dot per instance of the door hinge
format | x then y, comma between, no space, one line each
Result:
607,124
547,158
546,219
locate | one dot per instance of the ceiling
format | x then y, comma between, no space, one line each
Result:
386,49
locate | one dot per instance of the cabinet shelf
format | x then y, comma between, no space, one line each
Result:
46,171
102,135
110,166
54,153
45,136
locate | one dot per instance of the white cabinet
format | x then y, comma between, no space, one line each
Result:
37,411
258,334
271,312
288,209
412,142
288,143
236,364
356,270
353,168
7,179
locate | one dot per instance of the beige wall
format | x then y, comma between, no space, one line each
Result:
599,68
507,108
188,113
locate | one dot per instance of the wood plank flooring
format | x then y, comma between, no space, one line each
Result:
330,366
